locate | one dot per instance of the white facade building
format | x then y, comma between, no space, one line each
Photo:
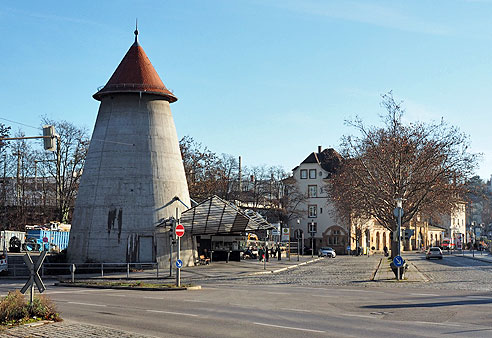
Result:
455,223
316,210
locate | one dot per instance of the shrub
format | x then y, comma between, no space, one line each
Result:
43,307
14,308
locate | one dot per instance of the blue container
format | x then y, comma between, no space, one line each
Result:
58,238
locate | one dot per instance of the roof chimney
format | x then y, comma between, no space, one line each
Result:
319,149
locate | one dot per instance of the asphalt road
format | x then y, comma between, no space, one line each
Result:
289,310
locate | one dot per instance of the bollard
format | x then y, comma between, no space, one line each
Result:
127,270
157,270
72,268
102,269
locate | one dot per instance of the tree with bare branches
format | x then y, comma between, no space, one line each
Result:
73,147
427,165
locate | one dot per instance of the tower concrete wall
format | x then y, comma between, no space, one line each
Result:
133,170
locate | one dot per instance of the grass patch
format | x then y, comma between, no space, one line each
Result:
15,310
130,284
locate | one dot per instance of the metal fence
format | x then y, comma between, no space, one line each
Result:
93,269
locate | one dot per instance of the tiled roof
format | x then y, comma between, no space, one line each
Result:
135,74
328,159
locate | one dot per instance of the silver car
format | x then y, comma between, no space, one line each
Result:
327,252
434,252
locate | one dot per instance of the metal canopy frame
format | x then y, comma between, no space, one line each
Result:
217,216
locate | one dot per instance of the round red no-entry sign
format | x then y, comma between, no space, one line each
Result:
180,230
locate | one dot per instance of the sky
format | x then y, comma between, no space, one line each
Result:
263,79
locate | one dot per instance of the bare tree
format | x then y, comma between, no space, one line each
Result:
425,164
293,201
201,168
72,148
4,133
227,177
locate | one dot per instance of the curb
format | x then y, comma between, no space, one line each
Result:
286,268
425,279
373,277
118,287
475,258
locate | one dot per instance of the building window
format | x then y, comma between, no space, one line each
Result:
312,227
312,173
313,191
320,210
335,240
303,174
312,211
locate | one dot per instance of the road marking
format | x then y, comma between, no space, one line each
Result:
173,313
278,293
117,295
55,292
161,298
241,305
87,304
425,294
289,327
195,301
297,310
354,315
430,323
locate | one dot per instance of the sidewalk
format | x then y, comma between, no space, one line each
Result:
67,329
214,271
384,273
483,256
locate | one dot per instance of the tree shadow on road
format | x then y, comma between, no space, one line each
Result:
431,304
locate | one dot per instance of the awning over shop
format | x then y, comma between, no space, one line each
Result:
217,216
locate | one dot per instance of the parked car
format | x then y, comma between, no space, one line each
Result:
327,252
434,252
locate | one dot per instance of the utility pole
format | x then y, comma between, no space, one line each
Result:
58,178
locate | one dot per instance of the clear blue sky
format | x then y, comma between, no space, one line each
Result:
268,80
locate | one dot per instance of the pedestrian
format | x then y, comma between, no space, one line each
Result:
260,254
279,253
267,254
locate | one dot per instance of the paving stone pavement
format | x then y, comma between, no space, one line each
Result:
67,330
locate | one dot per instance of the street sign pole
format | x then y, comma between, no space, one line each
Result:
312,245
399,239
289,243
298,247
398,212
179,232
178,272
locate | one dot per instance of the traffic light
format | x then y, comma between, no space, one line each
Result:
49,142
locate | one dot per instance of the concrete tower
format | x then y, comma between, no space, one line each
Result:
133,170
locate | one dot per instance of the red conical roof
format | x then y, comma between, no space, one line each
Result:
135,74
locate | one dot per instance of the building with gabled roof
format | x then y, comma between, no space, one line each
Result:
316,211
